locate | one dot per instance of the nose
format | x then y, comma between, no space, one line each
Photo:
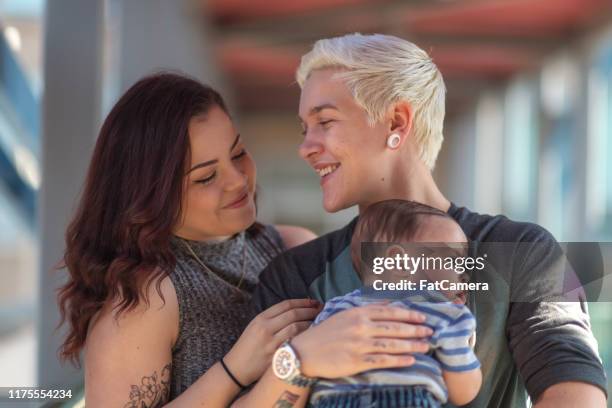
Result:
236,178
310,146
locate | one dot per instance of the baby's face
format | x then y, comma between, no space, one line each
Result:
443,238
438,238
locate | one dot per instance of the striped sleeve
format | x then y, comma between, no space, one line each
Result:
336,305
451,342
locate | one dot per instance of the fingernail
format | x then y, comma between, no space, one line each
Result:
426,331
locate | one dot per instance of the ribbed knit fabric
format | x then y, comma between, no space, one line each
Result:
212,313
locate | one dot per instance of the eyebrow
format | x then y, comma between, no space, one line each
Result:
209,162
319,108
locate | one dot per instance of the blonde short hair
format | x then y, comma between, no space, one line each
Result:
381,70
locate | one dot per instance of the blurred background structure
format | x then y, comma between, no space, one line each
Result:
528,131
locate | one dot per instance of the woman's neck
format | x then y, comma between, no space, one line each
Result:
201,238
414,183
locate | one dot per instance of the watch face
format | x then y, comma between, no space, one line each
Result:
283,363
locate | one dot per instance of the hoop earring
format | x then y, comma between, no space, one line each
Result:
393,141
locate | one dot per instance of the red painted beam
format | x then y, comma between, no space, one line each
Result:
241,10
505,17
482,61
274,66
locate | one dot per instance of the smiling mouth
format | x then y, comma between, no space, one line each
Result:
239,202
328,170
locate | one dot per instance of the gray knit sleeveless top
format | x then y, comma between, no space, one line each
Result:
212,313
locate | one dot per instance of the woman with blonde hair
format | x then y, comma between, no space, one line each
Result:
372,111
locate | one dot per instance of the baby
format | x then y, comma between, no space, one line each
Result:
450,370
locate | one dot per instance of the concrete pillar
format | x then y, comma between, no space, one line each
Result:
153,35
71,106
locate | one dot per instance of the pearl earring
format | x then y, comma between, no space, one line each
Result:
393,141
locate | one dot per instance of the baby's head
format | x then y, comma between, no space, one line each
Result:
402,222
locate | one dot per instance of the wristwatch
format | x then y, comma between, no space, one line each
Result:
286,366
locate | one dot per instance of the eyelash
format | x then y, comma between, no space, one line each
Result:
240,155
322,123
210,178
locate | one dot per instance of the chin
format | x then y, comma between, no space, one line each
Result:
241,221
334,205
248,218
238,225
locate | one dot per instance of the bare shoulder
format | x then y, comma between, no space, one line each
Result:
127,350
158,311
293,236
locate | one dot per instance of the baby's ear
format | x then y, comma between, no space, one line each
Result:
393,250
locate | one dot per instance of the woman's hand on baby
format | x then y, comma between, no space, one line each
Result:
252,353
360,339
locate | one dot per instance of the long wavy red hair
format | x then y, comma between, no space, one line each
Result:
118,242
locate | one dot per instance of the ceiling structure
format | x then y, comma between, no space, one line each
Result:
475,43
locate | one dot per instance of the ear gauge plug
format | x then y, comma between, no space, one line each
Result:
393,141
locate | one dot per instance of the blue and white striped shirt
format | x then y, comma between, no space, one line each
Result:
452,327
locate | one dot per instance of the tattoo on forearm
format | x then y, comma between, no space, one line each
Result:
286,400
153,391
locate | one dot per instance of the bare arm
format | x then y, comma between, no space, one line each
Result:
274,393
349,342
293,236
462,386
572,394
251,355
128,362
